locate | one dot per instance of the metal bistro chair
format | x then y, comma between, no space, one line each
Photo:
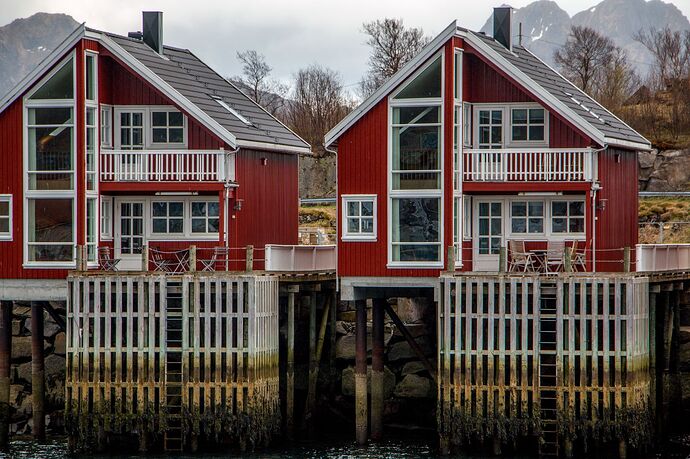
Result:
160,263
220,254
578,257
555,253
520,258
105,261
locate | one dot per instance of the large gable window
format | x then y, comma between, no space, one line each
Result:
416,168
49,211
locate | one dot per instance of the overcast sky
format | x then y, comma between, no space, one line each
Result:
290,33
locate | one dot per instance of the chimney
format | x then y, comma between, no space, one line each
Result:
153,30
503,19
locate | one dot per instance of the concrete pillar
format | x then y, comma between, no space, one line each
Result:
378,313
38,383
361,372
5,354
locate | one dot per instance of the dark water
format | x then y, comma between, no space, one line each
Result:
395,449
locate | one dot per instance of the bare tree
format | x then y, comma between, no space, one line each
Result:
392,45
257,83
616,82
584,56
317,103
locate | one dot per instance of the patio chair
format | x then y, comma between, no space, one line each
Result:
105,261
160,263
520,258
555,253
578,257
220,254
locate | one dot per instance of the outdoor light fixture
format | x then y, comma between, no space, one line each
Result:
601,205
264,161
238,204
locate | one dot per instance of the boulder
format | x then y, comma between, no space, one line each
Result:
413,386
345,347
50,327
21,347
54,367
17,327
413,368
412,310
347,316
403,351
416,330
344,328
670,172
348,381
24,372
60,344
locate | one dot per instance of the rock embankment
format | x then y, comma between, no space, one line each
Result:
667,170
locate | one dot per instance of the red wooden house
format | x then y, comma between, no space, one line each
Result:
124,142
475,143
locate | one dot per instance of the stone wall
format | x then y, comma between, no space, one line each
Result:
20,371
409,390
667,170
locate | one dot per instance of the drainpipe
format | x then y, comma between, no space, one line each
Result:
226,219
596,186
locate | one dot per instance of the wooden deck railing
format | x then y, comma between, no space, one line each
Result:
167,165
528,165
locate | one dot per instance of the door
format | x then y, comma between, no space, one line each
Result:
129,234
488,239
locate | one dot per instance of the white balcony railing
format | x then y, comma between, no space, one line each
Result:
167,166
533,165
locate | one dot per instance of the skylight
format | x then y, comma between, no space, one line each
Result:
234,112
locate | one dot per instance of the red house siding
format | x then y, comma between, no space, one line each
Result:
270,200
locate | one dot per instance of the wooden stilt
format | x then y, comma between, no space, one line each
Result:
377,369
333,335
410,340
5,353
307,421
290,396
37,371
361,372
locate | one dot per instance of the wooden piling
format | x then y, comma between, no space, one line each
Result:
377,369
290,396
5,353
311,388
361,372
249,265
37,371
192,258
626,259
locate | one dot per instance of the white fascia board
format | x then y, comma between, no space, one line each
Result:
36,74
610,140
389,85
534,87
168,90
273,147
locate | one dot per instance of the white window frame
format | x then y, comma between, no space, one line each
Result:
168,217
106,126
467,124
527,200
192,234
458,158
526,143
186,234
50,194
147,113
7,236
106,218
359,237
568,234
167,127
412,194
476,108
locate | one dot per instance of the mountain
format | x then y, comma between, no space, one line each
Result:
26,42
545,25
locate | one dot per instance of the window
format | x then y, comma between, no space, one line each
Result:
91,237
91,149
568,217
106,218
234,112
5,218
167,127
490,221
416,230
106,127
467,125
50,156
205,217
416,148
490,127
50,230
527,217
91,77
528,125
427,84
132,130
50,148
359,218
167,217
467,214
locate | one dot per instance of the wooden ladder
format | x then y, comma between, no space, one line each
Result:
174,434
548,446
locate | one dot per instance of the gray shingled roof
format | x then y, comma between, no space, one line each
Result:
196,81
575,99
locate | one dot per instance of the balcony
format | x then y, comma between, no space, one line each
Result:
528,165
168,166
